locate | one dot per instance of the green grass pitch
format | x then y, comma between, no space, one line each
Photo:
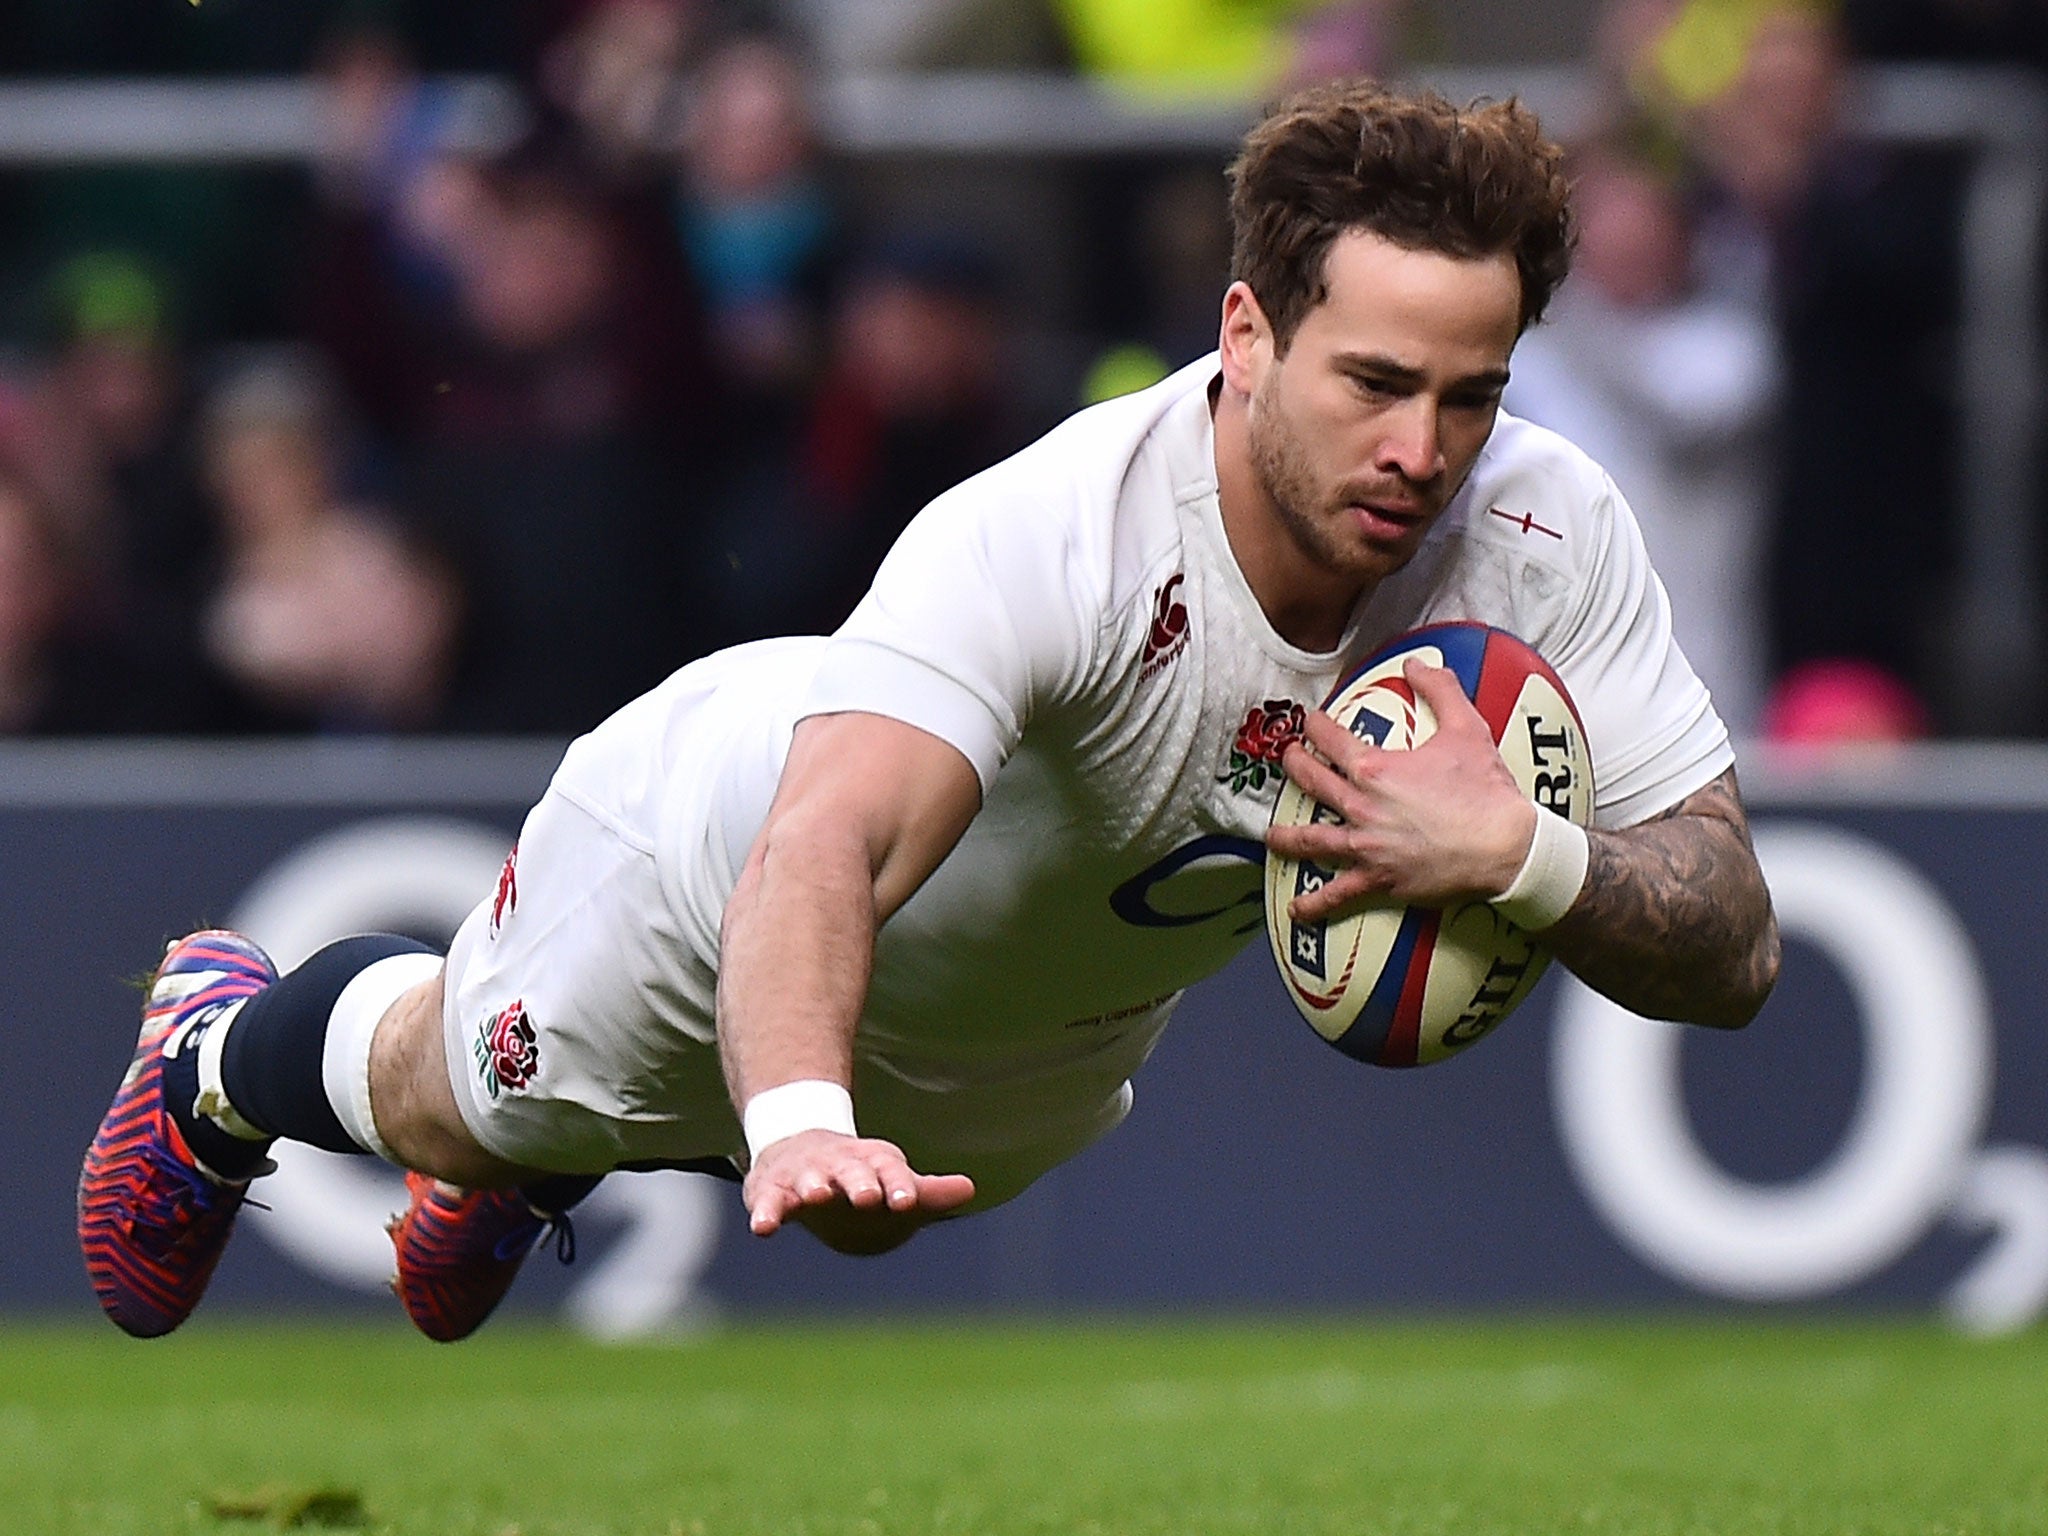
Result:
1303,1425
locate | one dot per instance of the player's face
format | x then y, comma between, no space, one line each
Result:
1374,416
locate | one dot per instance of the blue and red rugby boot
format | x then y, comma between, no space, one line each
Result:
152,1219
459,1250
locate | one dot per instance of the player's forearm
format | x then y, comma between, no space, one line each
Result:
866,808
1675,920
795,956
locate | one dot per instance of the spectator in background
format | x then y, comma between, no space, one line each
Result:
111,443
756,216
1855,245
912,403
1769,128
97,450
522,332
560,453
1866,281
1182,242
568,322
1155,231
324,608
63,675
394,214
615,73
381,123
40,684
1671,385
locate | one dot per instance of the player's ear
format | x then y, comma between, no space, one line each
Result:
1246,339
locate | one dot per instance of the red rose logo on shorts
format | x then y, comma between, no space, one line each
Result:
507,1051
1255,755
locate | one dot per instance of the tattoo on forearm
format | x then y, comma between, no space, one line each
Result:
1675,921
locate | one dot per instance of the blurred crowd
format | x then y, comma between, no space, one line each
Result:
518,430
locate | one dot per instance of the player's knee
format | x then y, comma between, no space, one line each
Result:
411,1099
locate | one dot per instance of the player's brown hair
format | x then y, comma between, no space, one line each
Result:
1469,182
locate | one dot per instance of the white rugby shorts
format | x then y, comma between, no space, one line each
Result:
578,1024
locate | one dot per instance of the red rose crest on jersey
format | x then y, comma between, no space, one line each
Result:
507,1051
507,899
1168,636
1255,755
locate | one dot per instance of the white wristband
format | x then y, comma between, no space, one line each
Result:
808,1104
1550,878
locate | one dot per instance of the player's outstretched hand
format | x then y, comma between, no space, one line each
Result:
857,1193
1443,823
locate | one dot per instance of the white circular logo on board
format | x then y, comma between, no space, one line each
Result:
1924,1096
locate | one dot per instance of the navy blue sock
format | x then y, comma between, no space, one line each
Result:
271,1065
231,1157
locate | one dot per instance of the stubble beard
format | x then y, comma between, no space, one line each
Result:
1280,465
1312,519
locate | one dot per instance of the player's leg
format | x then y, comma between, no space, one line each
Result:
228,1058
400,1079
471,1219
575,1027
153,1216
231,1057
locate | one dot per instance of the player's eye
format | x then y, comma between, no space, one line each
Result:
1370,388
1472,399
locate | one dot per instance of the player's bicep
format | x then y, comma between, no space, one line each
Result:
1717,800
898,795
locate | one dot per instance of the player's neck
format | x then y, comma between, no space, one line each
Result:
1306,605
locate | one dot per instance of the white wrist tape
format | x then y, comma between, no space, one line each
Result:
1550,878
808,1104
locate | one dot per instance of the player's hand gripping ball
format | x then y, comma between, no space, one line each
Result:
1402,986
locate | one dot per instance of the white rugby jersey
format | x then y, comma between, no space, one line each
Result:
1072,620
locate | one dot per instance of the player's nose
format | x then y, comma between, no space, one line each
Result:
1413,443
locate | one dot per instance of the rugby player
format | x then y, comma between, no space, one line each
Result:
874,920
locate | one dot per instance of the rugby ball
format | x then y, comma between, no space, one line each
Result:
1402,986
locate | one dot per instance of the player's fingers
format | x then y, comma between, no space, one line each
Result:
941,1192
1335,743
861,1183
1319,781
1329,845
814,1186
1321,842
874,1172
1439,688
1350,885
768,1206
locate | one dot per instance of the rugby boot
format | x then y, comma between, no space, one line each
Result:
459,1250
153,1219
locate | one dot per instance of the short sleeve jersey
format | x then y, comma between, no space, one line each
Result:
1073,622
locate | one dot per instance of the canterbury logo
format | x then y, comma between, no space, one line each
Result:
506,901
1168,636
